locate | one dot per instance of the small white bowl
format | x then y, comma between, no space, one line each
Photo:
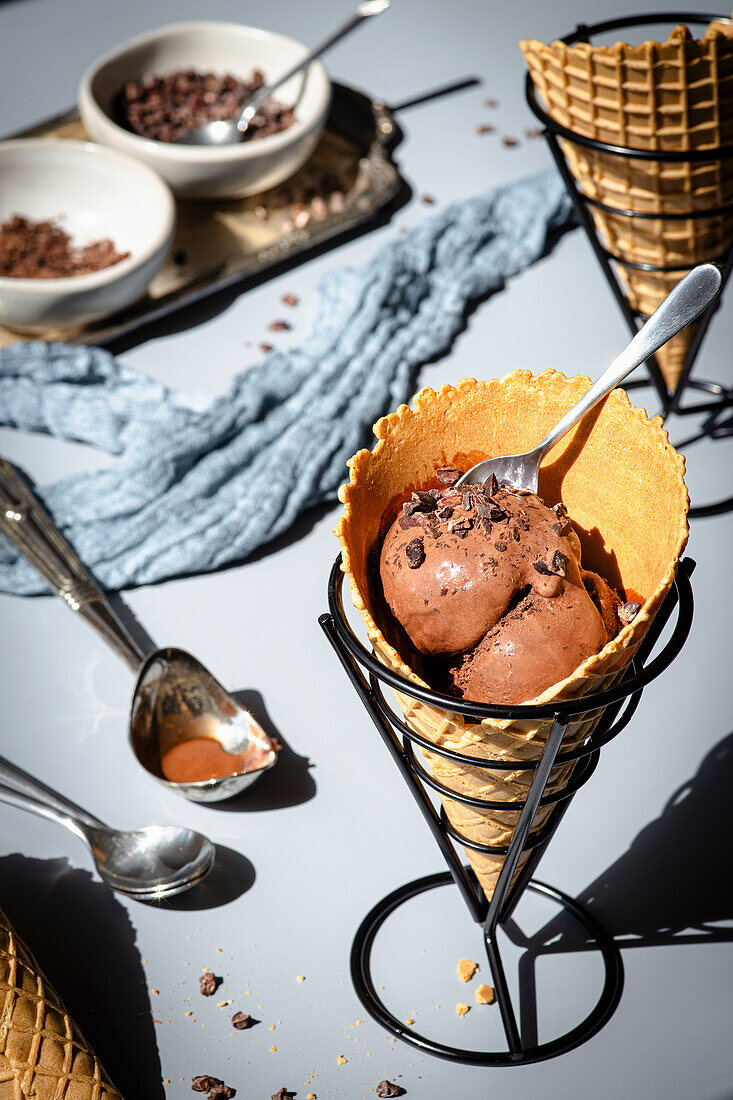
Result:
93,194
210,172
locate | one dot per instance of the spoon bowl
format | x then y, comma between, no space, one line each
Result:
154,862
176,704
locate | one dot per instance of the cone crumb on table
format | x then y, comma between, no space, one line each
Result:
484,995
621,482
466,969
42,1054
661,96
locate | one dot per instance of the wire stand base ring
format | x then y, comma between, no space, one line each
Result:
600,1014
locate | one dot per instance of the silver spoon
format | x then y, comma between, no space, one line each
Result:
693,294
151,863
229,131
176,699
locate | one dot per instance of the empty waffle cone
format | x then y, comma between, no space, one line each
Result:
670,96
42,1054
622,483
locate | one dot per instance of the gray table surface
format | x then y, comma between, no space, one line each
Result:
303,859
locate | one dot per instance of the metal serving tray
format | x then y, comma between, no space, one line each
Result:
218,244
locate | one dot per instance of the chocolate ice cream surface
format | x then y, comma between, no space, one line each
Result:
489,582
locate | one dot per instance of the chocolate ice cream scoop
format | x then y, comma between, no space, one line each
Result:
493,576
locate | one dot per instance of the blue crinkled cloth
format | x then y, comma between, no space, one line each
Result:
194,489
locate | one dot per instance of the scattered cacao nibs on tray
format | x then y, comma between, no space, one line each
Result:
265,348
289,300
484,128
491,102
279,326
509,142
429,200
42,250
164,108
282,1094
533,133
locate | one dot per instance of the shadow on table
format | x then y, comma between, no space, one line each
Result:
231,876
289,783
674,885
84,942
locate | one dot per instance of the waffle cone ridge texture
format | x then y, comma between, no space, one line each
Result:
661,96
623,485
42,1054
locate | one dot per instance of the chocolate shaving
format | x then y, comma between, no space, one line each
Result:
500,546
627,612
387,1088
515,534
543,568
408,521
559,509
491,485
559,564
447,475
209,983
467,501
561,529
484,510
415,552
424,501
445,512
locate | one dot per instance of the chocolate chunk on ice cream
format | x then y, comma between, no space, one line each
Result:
497,590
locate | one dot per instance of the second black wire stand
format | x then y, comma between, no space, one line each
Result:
717,398
617,705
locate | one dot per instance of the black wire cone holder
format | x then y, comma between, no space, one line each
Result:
718,396
617,705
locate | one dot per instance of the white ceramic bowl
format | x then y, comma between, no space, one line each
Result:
208,172
93,193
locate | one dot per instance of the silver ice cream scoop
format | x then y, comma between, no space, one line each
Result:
176,699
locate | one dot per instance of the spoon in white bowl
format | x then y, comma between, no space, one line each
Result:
692,295
229,131
148,864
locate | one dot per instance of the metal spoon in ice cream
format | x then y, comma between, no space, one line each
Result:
229,131
178,707
693,294
148,864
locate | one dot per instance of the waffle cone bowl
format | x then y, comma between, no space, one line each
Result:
622,483
671,96
42,1054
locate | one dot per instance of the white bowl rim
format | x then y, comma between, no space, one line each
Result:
93,279
172,150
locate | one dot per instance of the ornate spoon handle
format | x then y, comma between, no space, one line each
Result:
26,523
